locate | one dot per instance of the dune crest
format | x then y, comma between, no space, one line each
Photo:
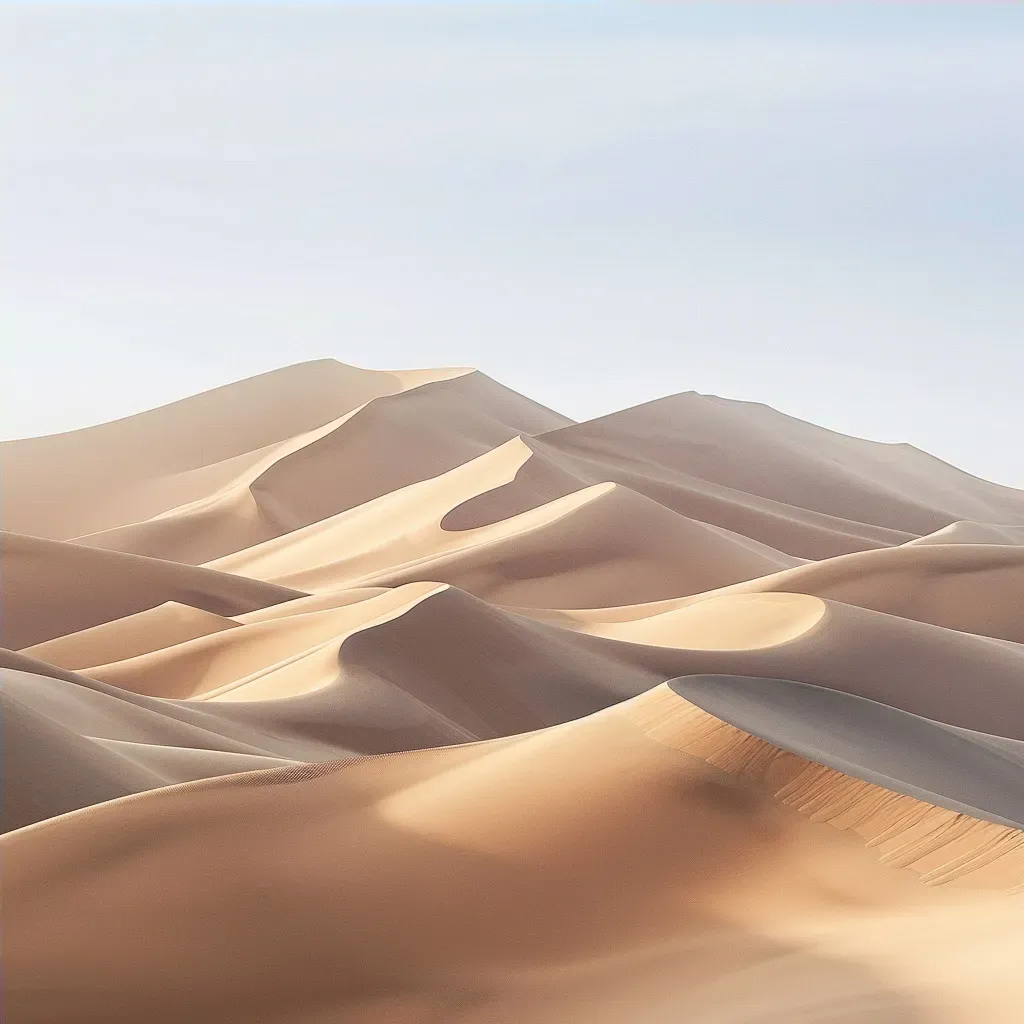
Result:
353,695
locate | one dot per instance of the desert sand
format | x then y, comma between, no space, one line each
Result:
339,695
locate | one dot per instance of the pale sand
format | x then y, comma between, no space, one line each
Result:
219,608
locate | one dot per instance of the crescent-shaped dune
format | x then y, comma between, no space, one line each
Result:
358,696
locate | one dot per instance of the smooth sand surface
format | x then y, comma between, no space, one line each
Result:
348,695
52,588
975,588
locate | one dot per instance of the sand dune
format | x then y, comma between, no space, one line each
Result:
969,587
432,425
600,546
50,769
154,629
944,846
676,848
368,676
67,485
228,660
755,450
973,533
969,772
53,588
558,467
359,696
954,677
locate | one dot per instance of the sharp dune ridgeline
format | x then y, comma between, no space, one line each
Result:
339,695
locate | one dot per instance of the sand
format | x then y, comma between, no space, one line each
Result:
350,695
972,773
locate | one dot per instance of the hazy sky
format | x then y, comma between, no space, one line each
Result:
820,208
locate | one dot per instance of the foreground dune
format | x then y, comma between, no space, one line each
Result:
343,695
547,871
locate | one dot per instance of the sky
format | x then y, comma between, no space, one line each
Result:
818,207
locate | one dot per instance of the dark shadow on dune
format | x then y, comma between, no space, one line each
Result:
970,772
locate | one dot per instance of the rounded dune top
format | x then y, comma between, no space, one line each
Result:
966,532
752,448
83,481
731,622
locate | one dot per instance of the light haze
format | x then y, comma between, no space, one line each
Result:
818,208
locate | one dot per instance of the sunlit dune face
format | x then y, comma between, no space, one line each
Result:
593,799
732,622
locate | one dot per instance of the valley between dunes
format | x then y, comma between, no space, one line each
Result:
339,695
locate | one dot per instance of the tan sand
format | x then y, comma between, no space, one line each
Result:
493,882
155,629
338,695
51,588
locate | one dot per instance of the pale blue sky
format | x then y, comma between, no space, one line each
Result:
817,207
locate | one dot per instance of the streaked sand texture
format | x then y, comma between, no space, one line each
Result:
338,695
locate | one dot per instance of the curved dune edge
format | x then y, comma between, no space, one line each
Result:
762,453
941,845
121,473
153,629
509,672
599,544
439,423
388,856
967,532
52,588
222,664
972,588
729,622
969,772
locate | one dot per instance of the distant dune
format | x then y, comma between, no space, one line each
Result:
346,695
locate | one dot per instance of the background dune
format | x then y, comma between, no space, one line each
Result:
51,588
342,694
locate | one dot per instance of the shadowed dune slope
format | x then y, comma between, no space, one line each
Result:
557,468
970,772
51,588
753,449
397,441
230,660
50,769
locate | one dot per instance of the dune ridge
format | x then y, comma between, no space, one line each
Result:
352,695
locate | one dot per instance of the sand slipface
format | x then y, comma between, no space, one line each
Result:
352,695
